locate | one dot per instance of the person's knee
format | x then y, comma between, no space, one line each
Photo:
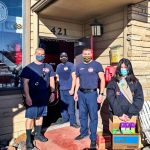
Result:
39,120
29,123
94,117
29,120
71,110
83,115
71,113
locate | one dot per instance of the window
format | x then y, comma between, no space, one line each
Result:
11,30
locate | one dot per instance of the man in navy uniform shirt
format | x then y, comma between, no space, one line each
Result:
37,76
65,73
88,74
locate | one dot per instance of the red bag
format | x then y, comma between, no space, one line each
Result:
109,73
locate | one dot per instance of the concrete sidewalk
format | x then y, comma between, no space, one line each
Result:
63,139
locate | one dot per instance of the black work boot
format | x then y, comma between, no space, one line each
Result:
29,146
38,135
75,125
79,137
61,121
29,142
41,138
93,145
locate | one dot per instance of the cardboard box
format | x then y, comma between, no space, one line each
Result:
124,141
103,141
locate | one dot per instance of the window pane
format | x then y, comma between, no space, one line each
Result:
11,29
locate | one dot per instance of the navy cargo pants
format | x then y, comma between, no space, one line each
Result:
88,106
67,107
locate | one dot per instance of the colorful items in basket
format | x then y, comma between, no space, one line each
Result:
132,127
127,127
116,131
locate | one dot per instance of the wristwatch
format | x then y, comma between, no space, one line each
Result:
101,94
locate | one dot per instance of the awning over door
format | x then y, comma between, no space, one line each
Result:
78,10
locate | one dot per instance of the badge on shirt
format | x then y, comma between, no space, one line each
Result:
90,69
46,70
65,68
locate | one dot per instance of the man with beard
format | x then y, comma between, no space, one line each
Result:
88,74
65,73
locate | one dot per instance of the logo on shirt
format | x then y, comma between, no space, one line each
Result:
82,68
46,70
90,69
65,68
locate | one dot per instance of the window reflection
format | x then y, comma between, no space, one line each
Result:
11,30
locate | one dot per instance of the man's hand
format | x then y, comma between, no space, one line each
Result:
76,97
52,97
100,98
124,117
71,91
28,101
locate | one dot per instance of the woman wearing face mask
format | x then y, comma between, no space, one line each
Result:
124,92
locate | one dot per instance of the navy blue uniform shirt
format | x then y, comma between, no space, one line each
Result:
38,86
88,74
64,72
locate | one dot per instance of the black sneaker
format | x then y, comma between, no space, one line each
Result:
29,146
40,138
60,121
79,137
75,125
93,144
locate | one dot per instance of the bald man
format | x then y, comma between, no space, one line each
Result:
37,76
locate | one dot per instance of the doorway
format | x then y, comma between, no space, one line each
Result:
53,48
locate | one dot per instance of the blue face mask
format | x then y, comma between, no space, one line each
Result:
124,71
40,57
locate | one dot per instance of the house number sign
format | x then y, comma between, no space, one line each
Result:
59,31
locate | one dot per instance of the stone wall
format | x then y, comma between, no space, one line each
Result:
128,28
138,43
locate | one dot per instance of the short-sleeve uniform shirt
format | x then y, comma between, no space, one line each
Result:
88,74
64,71
38,76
